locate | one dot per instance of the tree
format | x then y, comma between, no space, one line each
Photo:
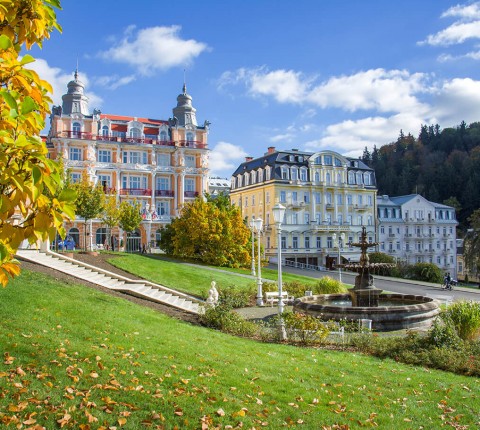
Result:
110,215
34,200
130,216
212,233
89,203
471,244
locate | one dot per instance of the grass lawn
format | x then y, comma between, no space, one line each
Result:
192,279
73,357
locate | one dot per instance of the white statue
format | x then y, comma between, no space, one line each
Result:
212,299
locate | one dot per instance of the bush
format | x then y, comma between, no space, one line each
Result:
327,285
306,328
443,333
465,318
236,297
427,272
223,318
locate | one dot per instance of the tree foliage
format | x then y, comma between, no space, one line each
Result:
90,200
471,244
34,199
442,165
130,216
212,232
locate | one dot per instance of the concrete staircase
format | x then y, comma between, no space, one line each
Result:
139,288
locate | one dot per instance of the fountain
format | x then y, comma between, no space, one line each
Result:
386,311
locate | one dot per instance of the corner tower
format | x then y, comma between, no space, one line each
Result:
75,101
185,113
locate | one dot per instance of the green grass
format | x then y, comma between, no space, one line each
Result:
192,279
74,354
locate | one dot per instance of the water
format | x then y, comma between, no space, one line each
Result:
346,303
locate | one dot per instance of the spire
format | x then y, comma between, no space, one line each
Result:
184,82
75,75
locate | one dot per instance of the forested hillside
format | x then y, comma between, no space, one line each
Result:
441,165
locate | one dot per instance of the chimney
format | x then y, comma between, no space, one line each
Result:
271,150
247,159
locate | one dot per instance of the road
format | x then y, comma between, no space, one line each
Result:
394,285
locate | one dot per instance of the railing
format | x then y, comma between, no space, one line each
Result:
108,190
76,134
297,265
135,192
164,193
191,144
191,194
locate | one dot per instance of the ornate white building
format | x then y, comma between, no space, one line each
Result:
328,197
415,230
160,163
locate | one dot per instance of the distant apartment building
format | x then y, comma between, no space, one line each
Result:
161,164
218,186
415,230
326,195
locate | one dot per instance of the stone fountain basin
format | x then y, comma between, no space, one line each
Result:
401,311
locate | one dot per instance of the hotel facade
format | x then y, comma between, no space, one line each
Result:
328,199
161,164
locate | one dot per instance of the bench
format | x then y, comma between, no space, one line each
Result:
272,297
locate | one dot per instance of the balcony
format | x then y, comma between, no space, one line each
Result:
296,205
191,144
108,190
135,192
329,206
76,135
164,193
361,207
190,194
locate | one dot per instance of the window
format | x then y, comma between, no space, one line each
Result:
284,172
190,137
382,229
349,199
105,130
268,242
319,242
306,197
307,218
134,157
318,198
340,219
104,180
307,242
328,178
359,178
75,178
294,197
351,177
260,175
189,184
163,183
267,173
134,182
135,132
327,160
76,129
366,178
246,201
163,159
253,177
339,199
267,197
283,196
303,175
369,220
339,179
190,161
104,156
163,208
75,154
295,242
294,218
329,242
349,219
317,177
370,200
284,242
253,200
294,174
360,199
328,198
163,136
338,162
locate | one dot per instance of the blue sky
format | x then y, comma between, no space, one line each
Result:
310,74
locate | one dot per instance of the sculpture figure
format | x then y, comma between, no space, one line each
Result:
212,299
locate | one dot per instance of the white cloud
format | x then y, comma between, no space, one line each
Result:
155,48
114,81
286,137
225,157
58,79
466,27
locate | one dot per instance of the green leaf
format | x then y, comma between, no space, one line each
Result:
11,102
27,59
37,175
13,113
5,42
67,195
28,105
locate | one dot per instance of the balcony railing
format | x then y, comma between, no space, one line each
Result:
76,135
192,144
135,192
191,194
164,193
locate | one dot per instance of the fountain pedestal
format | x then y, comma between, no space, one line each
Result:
364,293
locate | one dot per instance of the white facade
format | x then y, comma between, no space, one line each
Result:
415,230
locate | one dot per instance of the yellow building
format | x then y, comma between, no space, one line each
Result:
160,163
328,199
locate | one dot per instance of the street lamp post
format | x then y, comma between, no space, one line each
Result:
258,227
252,228
278,214
341,241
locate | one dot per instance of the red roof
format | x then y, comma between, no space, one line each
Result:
131,118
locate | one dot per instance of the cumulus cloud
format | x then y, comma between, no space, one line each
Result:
59,79
225,157
466,26
153,49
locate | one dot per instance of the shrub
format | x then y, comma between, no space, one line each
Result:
328,285
443,333
465,317
236,297
427,272
223,318
306,328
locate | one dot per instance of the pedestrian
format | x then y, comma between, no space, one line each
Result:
144,249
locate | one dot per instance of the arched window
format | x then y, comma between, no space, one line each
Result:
339,178
135,132
285,173
294,173
101,236
163,136
260,175
303,174
317,177
105,130
190,137
76,129
359,178
351,177
366,178
158,236
75,236
253,177
246,179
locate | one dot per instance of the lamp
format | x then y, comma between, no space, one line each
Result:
278,214
341,241
258,227
252,228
